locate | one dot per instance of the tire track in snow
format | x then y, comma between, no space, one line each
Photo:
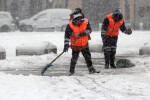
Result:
91,85
113,91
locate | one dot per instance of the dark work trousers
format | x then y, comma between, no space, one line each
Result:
109,46
75,55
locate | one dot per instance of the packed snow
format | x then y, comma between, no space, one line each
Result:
145,49
35,48
126,84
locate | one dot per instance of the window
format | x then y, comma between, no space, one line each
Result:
42,16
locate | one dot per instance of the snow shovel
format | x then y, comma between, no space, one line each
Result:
50,64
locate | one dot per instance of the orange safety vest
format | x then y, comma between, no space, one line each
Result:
82,41
113,27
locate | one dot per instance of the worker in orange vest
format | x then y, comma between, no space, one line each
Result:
78,27
110,31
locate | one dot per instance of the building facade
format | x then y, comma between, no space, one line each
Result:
142,13
21,8
72,4
27,8
134,11
96,10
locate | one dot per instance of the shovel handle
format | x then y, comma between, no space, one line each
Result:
57,57
63,51
46,67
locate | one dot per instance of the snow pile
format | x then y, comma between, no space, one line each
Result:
2,49
2,53
37,48
144,50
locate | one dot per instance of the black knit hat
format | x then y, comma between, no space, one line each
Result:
78,9
117,15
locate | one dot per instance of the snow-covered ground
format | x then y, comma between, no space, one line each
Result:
119,86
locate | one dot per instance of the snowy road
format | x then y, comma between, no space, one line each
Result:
20,76
62,70
88,87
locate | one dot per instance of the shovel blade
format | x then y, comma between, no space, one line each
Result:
45,68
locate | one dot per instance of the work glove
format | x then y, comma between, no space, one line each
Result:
66,47
128,31
84,33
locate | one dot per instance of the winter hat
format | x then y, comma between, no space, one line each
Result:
78,10
77,19
117,15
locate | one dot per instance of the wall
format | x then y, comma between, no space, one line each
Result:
142,13
96,10
72,4
2,5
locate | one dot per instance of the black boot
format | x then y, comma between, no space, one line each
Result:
106,65
92,70
113,65
71,72
75,55
72,67
107,59
112,60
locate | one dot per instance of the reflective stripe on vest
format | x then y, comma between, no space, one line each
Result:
75,33
82,41
113,27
